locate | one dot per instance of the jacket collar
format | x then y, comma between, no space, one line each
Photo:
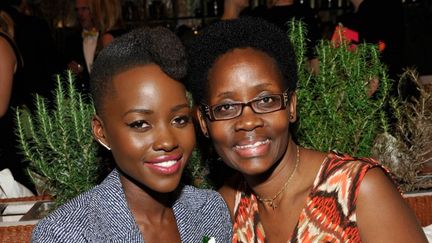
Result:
113,221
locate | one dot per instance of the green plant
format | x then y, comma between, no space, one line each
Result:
196,171
335,110
57,141
407,148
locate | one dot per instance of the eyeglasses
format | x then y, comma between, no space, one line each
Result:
260,105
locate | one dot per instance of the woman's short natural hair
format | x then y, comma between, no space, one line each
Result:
137,48
224,36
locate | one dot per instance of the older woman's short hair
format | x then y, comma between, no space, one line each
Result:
224,36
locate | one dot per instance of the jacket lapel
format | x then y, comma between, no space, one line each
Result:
113,221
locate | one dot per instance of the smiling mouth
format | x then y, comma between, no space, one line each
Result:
166,167
166,164
252,146
253,149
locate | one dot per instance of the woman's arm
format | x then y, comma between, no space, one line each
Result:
7,70
382,214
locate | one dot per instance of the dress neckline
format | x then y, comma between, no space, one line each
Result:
245,193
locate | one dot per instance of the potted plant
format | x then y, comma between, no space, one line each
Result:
57,141
336,111
406,149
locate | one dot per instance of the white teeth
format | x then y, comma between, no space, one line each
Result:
166,163
256,144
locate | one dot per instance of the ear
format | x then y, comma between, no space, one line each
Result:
293,107
202,122
98,131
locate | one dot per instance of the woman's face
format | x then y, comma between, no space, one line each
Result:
147,124
250,143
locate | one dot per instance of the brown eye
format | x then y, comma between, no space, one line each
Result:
181,121
268,102
223,108
267,99
141,124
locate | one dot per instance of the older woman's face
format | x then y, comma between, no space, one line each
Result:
250,143
148,126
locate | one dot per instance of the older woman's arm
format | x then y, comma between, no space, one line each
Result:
382,214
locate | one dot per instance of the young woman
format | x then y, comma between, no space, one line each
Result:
144,118
243,75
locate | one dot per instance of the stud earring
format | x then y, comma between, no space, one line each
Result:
106,146
206,134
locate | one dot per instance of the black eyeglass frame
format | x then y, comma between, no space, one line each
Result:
208,110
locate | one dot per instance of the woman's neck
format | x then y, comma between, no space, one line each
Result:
269,183
145,204
152,212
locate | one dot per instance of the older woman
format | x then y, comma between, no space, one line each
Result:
243,76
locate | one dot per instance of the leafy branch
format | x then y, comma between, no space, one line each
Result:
58,143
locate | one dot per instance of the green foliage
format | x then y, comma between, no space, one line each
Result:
334,108
196,171
406,150
57,141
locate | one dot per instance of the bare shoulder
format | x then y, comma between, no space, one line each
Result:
380,203
311,161
315,157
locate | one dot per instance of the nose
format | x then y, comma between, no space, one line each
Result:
248,120
165,140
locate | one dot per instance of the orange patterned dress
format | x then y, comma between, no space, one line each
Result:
330,211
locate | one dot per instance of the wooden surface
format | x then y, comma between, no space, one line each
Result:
19,233
420,203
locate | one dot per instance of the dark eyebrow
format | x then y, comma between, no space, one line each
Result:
228,93
179,107
224,94
149,112
143,111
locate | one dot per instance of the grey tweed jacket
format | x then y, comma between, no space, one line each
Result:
102,215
